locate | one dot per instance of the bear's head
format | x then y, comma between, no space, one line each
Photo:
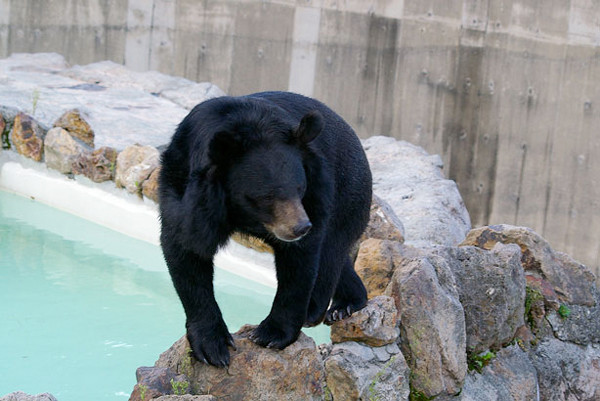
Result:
262,169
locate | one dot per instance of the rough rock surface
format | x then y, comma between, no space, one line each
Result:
581,326
411,181
150,186
383,222
358,372
61,150
180,91
376,262
432,326
186,397
120,112
21,396
134,165
98,166
573,282
491,288
75,124
375,325
27,137
295,373
509,376
567,372
153,382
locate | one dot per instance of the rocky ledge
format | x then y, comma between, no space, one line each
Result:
488,314
501,316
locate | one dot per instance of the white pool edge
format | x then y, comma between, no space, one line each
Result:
114,208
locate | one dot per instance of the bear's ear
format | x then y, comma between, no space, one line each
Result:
310,127
224,147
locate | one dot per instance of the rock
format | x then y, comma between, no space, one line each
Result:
383,222
509,376
572,282
432,326
491,288
375,264
567,371
61,150
26,136
411,181
20,396
375,325
98,166
150,186
153,382
577,324
295,373
186,397
73,122
354,372
120,115
180,91
134,165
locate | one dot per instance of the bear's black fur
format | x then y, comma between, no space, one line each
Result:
278,166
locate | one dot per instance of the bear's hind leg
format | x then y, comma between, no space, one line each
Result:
350,294
330,267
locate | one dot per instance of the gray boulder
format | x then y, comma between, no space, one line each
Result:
567,372
509,376
21,396
358,372
491,288
411,181
432,326
122,107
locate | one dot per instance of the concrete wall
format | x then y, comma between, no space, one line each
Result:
508,92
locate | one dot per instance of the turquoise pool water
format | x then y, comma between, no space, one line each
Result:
81,306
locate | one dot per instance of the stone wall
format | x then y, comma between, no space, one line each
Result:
506,92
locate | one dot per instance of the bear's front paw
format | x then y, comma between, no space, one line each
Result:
209,345
272,335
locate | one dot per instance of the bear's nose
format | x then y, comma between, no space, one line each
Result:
302,228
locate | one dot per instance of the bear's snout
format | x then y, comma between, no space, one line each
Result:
290,222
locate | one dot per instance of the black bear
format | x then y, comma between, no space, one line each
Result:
284,168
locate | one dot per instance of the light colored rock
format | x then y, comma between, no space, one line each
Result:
255,373
509,376
383,222
432,326
61,150
411,182
150,186
27,137
134,165
21,396
573,282
375,325
355,373
180,91
567,372
75,124
491,288
119,115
